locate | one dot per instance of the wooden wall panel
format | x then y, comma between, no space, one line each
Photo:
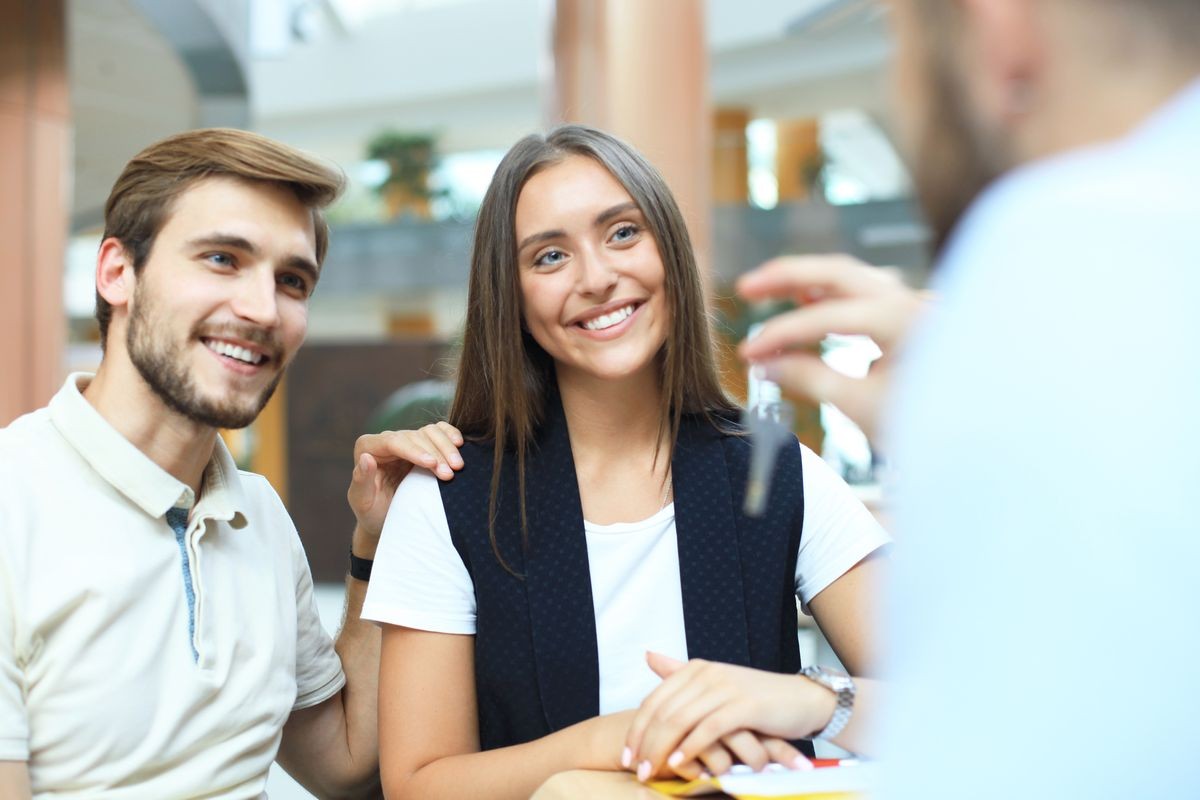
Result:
331,391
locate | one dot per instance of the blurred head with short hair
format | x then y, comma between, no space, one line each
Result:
987,85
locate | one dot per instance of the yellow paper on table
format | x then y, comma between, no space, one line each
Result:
851,782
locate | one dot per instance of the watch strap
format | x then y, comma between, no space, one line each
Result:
360,568
842,686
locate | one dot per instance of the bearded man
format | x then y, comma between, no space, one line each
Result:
158,632
1042,632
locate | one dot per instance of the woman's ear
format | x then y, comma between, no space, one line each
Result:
114,273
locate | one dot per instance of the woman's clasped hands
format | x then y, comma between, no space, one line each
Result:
706,716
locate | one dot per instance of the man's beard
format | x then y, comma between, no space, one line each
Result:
954,159
162,365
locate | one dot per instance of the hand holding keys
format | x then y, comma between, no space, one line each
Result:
769,419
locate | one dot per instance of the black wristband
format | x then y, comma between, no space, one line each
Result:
360,568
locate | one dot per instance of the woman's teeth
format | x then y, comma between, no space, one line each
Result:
608,320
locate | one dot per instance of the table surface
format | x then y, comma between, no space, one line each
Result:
596,785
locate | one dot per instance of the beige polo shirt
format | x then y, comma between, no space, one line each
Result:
100,688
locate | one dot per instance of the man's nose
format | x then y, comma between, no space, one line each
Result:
256,299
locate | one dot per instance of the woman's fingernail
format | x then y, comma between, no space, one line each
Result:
676,759
644,771
626,758
445,471
705,775
802,763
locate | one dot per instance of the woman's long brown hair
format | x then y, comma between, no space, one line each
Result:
504,376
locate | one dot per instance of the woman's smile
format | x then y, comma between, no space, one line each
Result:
592,278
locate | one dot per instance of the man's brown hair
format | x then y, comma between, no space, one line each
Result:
144,194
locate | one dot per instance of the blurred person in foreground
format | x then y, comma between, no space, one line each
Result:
158,632
1042,626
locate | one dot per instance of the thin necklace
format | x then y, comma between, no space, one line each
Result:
666,491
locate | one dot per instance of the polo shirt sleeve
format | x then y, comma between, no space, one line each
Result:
14,724
839,531
319,674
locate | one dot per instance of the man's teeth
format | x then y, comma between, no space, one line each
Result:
608,320
233,351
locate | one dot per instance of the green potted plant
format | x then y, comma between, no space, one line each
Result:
410,158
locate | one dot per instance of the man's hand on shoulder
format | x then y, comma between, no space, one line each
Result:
382,460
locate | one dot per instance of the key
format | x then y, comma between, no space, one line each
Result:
769,419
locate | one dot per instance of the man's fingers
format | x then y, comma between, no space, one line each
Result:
443,447
876,317
453,433
809,278
396,445
806,375
365,467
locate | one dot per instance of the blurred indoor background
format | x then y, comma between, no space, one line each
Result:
768,117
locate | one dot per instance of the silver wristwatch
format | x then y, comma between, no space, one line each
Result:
842,687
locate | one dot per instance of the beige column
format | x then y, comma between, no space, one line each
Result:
639,69
35,151
797,157
731,166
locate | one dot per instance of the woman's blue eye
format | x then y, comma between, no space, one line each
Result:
549,258
625,233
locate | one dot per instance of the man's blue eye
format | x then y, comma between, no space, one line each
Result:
221,259
294,282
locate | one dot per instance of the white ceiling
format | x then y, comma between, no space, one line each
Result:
128,88
470,70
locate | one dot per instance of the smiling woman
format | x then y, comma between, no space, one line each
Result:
598,512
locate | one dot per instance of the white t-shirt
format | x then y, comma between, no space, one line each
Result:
420,581
101,691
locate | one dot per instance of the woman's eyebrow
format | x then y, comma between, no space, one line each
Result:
621,208
539,237
603,218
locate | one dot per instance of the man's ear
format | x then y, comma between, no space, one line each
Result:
114,273
1005,43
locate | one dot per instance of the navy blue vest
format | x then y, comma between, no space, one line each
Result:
536,663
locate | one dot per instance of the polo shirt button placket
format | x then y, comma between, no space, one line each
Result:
197,587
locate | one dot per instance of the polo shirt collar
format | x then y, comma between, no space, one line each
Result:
132,472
